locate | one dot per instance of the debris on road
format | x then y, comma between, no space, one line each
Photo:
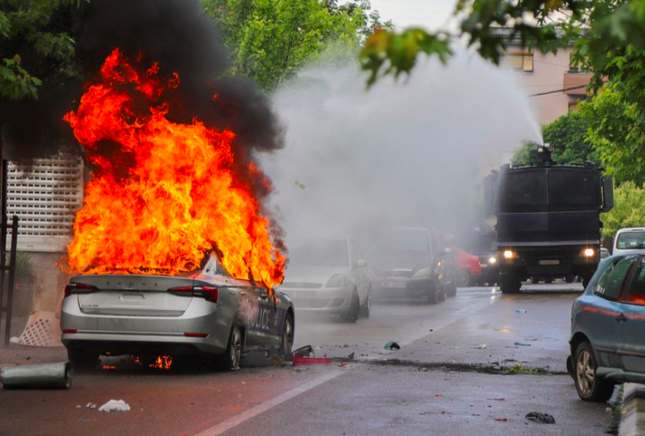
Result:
351,356
543,418
496,399
276,360
115,406
305,351
521,311
306,356
90,406
482,347
391,345
521,344
424,369
501,419
44,376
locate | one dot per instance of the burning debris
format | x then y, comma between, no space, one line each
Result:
162,362
164,194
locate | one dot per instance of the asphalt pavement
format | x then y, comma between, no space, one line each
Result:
474,364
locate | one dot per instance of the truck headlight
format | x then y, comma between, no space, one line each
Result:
337,281
423,272
508,255
589,252
492,260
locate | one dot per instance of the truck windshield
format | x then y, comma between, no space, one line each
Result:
631,240
549,190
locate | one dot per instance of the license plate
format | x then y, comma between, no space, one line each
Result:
550,262
399,285
302,295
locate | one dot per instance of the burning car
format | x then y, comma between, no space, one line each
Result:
330,276
207,313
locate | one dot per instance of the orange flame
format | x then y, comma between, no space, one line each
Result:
162,362
168,193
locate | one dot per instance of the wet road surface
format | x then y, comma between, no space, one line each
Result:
469,365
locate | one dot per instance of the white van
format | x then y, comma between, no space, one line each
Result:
629,239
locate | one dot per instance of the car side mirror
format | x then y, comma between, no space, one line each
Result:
361,263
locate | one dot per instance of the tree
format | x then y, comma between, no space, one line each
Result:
37,45
272,39
628,209
568,135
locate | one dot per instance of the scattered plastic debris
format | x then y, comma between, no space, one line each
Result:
115,406
542,418
351,356
90,406
521,311
482,347
521,344
276,360
501,419
343,365
437,395
306,356
391,345
496,399
424,369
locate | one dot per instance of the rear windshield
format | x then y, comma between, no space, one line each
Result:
549,190
631,240
320,253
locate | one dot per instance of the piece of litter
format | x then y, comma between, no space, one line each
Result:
276,360
79,406
482,346
90,406
496,399
521,311
115,406
351,356
542,418
437,395
520,344
501,419
424,369
243,382
391,345
343,364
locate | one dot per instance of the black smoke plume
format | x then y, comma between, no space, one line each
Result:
182,39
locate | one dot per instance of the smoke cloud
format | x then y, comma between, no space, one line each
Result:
405,153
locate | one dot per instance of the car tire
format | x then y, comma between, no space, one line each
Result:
354,309
366,308
589,386
231,359
510,284
288,334
451,291
83,361
463,278
432,296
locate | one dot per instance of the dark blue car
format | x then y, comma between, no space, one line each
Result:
608,328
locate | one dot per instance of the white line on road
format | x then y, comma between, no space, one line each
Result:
269,404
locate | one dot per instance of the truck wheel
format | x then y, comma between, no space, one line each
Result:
510,284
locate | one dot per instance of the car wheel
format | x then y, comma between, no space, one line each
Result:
354,309
287,337
230,361
366,308
83,361
432,297
509,284
463,278
589,386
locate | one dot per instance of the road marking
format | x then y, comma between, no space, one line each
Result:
436,326
269,404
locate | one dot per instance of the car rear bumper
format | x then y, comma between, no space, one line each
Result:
329,300
130,334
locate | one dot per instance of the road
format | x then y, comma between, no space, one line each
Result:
473,364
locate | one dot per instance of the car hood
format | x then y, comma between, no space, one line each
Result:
311,274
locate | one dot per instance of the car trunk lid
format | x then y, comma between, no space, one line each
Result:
133,295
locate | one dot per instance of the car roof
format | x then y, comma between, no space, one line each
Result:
631,229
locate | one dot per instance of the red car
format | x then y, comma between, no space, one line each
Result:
468,268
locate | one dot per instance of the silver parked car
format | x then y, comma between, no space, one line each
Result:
207,312
329,276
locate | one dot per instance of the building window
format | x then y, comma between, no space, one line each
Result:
520,61
576,66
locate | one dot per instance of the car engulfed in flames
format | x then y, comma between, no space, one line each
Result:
172,250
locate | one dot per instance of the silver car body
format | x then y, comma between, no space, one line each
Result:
130,314
312,289
628,240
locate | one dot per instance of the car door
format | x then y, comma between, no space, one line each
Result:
266,326
631,330
601,311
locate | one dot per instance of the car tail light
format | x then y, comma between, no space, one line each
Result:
209,293
195,335
69,331
79,288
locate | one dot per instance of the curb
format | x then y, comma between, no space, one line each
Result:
632,414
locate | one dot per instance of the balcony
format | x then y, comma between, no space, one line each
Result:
572,80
